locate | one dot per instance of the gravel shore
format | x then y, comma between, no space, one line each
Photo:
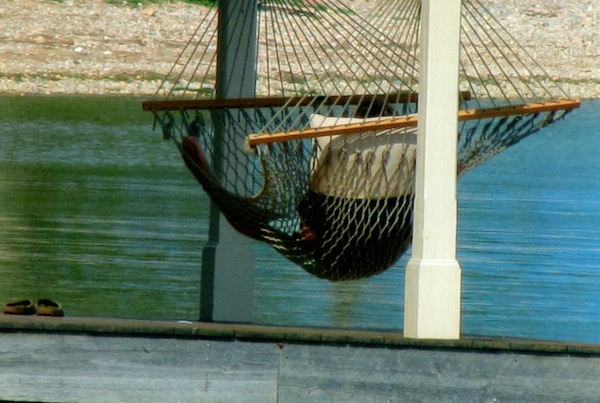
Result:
92,47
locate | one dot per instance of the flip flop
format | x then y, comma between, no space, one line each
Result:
23,307
47,307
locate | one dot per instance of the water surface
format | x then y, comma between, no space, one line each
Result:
98,212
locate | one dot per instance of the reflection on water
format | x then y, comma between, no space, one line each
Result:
98,212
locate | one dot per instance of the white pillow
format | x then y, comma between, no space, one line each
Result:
334,164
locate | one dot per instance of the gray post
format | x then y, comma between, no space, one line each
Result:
227,282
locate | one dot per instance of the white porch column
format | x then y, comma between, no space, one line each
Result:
433,275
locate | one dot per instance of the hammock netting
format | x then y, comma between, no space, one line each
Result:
312,148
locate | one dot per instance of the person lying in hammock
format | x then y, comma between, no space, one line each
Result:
245,214
356,233
339,238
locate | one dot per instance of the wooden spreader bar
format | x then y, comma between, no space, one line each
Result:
319,100
408,121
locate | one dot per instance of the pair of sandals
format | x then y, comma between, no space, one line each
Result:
42,307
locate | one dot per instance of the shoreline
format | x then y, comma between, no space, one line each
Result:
78,47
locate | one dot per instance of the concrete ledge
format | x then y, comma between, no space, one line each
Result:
253,332
115,360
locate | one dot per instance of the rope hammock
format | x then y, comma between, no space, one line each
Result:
315,154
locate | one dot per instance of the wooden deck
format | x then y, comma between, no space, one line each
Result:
109,360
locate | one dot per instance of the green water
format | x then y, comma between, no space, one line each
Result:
98,212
